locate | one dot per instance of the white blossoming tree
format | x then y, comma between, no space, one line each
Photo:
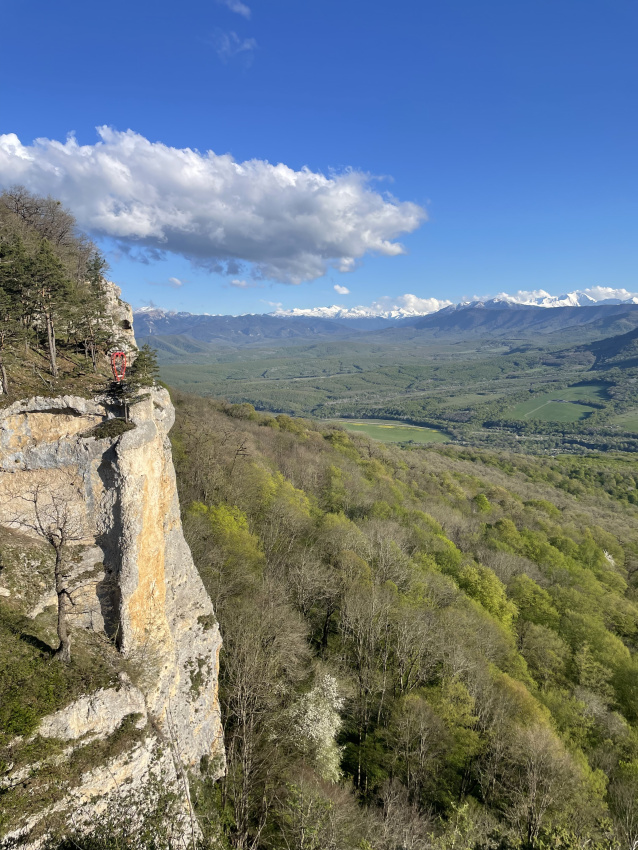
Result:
315,724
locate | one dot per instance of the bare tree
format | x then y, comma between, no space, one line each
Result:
265,654
49,512
623,798
541,783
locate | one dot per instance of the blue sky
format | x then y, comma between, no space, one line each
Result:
494,141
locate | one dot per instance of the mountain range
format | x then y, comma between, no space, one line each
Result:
410,306
179,334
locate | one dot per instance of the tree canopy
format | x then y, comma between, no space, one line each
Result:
51,289
424,648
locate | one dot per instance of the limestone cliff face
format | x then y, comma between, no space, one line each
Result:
132,579
121,315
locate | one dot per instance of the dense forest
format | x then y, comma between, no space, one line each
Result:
55,325
424,648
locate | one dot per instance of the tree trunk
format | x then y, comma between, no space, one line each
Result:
63,652
5,380
52,352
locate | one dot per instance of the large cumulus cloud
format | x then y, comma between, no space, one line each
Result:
289,225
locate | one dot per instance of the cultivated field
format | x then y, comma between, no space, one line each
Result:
563,405
392,432
627,421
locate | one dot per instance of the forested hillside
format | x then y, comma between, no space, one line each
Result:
424,648
56,319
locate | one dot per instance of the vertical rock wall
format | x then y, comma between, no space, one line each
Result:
164,610
133,571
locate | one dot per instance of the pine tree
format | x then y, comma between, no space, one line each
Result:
15,281
52,294
92,326
12,283
8,331
145,371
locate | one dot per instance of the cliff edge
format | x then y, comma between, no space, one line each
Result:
135,594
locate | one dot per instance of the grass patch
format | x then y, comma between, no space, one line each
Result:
550,410
627,421
563,405
387,431
26,567
109,429
54,777
30,376
32,684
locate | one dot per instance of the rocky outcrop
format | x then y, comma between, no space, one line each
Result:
121,315
114,793
97,715
132,578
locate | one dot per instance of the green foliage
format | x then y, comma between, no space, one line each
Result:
486,669
230,528
52,298
31,684
109,429
230,557
482,503
144,371
546,653
482,585
533,602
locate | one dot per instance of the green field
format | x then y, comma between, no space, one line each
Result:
560,405
388,431
628,421
482,395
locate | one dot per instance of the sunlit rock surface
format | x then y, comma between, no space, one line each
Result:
132,577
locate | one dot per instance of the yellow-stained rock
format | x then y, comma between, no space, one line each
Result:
132,573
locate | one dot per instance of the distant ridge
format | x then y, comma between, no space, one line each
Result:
620,351
413,306
179,335
513,320
232,330
155,320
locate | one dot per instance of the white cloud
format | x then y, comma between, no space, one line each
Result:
244,284
602,293
385,307
290,225
229,44
342,290
409,305
237,6
173,282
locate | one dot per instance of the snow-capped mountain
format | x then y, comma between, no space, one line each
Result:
373,311
578,298
408,306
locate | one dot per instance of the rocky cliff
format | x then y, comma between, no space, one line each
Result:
67,463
